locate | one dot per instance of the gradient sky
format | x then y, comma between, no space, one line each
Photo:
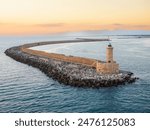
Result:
52,16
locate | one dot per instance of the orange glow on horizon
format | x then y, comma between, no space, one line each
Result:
20,17
18,29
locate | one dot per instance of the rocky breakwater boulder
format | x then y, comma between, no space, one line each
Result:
70,73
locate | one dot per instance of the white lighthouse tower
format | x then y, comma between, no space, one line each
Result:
110,66
109,54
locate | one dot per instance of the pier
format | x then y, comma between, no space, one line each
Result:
69,70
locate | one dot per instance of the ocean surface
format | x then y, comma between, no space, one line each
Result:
26,89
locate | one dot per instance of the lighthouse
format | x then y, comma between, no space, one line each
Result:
109,54
110,66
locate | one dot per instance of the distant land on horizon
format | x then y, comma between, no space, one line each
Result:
92,33
113,32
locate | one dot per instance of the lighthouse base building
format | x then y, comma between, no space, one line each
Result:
107,68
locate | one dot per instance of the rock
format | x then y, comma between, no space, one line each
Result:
70,73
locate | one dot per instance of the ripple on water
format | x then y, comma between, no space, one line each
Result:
26,89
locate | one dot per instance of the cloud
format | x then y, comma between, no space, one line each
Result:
1,23
117,24
50,25
129,25
141,26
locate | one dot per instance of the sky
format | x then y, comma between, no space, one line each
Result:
22,17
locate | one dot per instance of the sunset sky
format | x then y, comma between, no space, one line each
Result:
53,16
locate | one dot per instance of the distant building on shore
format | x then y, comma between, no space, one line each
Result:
110,66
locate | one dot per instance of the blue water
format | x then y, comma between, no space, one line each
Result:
26,89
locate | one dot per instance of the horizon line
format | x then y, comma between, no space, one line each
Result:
82,31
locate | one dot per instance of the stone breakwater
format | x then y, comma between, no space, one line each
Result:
69,73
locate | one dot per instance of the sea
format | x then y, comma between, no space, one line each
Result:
24,89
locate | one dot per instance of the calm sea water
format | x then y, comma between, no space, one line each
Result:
26,89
